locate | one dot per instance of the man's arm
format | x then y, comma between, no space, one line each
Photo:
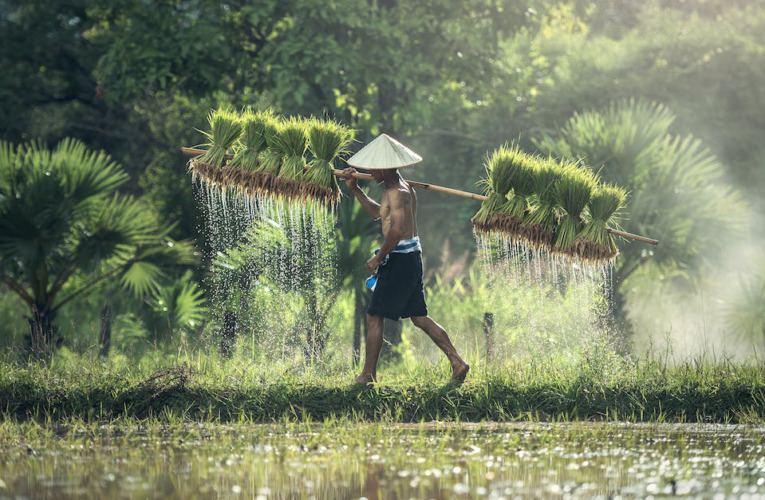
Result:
369,205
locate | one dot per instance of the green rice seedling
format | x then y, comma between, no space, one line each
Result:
594,242
253,139
292,140
225,129
500,167
573,192
250,147
271,157
510,215
327,140
539,224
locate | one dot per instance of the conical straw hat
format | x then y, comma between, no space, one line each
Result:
383,153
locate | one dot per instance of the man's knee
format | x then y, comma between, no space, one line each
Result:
419,321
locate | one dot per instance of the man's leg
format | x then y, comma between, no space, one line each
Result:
439,336
374,344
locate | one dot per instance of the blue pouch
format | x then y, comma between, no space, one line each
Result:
372,282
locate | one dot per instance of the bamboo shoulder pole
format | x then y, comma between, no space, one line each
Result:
441,189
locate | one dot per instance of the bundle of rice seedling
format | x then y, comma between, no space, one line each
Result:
510,215
573,191
594,242
250,147
500,168
292,140
271,157
225,129
540,221
327,140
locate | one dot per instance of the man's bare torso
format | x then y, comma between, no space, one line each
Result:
403,197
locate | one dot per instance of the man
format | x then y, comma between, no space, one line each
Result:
398,290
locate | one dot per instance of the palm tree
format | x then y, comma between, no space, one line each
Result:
169,309
746,314
678,191
62,218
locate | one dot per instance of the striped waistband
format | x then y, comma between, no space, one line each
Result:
408,246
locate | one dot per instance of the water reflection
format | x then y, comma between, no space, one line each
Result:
376,462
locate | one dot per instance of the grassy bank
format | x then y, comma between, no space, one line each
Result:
206,389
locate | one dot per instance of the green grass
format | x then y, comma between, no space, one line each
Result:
203,388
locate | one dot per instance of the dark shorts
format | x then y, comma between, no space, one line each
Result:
399,292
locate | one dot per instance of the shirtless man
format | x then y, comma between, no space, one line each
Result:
399,291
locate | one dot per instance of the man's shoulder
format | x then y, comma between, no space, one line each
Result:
399,191
398,194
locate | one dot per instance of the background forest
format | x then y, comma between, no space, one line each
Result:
665,95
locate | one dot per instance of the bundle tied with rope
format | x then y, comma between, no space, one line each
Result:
252,145
500,167
327,140
539,223
225,130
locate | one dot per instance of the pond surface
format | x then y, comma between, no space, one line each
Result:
371,461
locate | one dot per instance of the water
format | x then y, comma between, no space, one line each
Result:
273,263
375,462
568,304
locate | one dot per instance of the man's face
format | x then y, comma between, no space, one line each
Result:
377,175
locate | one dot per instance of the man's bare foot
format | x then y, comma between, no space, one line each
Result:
365,378
460,371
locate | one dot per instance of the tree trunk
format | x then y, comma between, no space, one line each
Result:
43,334
105,339
315,342
228,334
358,322
488,330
